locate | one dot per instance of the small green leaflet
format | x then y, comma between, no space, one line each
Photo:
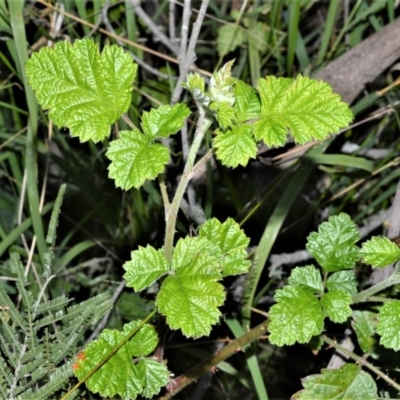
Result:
221,84
334,245
296,317
364,324
247,105
229,37
308,277
336,305
146,266
84,90
232,243
164,121
134,159
304,107
380,252
235,146
224,113
344,281
122,375
347,382
389,325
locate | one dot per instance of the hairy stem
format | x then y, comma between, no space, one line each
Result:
211,362
361,361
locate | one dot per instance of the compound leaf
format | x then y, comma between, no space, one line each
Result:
296,317
344,281
380,252
304,107
153,376
229,37
224,113
84,90
347,382
334,244
232,243
190,298
120,375
336,305
389,325
146,266
364,324
235,146
308,277
164,121
247,105
134,159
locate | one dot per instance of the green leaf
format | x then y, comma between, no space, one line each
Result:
296,317
224,113
308,277
344,281
334,244
120,376
196,86
336,305
221,84
235,146
190,298
305,107
247,105
380,252
135,159
232,243
164,121
84,90
389,325
146,266
229,37
347,382
364,324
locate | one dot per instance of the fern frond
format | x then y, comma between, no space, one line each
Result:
53,305
5,374
12,311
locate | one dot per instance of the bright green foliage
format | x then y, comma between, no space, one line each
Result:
224,113
306,108
196,86
336,305
127,373
248,105
235,146
232,243
364,324
84,90
296,317
308,277
135,159
347,382
190,298
389,325
164,121
146,266
344,281
380,252
334,244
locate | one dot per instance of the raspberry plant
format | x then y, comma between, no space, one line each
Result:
88,91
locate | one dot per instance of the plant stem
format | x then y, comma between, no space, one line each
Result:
203,124
361,361
211,362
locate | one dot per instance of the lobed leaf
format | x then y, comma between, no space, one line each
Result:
308,277
304,107
84,90
146,266
224,113
235,146
190,298
247,105
336,305
347,382
229,37
296,317
380,252
164,121
135,159
344,281
389,325
334,244
232,243
120,376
